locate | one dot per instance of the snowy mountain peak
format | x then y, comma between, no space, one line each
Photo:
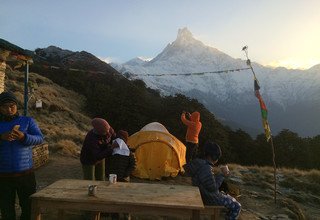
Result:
136,61
188,66
315,68
185,38
184,35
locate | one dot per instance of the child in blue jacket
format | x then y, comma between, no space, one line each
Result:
201,171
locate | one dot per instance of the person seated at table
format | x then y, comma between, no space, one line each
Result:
209,183
96,147
122,161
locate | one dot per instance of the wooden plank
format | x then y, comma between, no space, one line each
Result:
109,208
212,211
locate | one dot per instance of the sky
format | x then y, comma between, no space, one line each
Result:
277,32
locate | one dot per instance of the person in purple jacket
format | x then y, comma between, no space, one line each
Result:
96,147
17,136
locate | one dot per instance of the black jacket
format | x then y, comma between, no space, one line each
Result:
121,165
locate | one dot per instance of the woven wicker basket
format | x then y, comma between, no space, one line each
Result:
40,155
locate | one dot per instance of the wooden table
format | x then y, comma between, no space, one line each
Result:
142,198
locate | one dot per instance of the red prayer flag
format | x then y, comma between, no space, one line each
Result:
264,111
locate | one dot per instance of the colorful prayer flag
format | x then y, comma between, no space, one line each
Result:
264,111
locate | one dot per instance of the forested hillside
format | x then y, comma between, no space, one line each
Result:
130,105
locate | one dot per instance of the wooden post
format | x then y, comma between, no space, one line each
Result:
245,49
274,170
26,82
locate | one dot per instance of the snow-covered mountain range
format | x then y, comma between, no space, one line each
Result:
292,96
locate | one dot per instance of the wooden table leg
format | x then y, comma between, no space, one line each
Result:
195,214
60,214
97,216
216,214
35,211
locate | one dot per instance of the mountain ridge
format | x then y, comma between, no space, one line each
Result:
282,89
68,59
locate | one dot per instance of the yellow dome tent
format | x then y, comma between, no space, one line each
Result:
158,153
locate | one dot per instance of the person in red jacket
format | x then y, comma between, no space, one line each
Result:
192,121
96,147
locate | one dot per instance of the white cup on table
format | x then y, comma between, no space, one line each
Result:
225,170
112,178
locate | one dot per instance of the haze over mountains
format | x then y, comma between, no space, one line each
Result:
292,96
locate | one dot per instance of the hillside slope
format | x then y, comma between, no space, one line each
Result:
61,119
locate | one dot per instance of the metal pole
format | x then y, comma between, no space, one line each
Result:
26,82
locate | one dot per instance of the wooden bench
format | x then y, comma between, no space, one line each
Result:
212,211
